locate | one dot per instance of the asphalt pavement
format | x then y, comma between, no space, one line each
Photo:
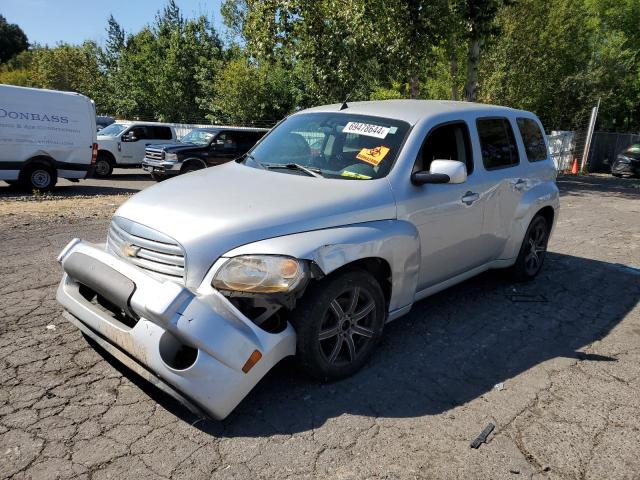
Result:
553,364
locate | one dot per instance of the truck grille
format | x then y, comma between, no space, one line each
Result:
148,249
154,154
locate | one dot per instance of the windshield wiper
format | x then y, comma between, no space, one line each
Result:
314,172
254,159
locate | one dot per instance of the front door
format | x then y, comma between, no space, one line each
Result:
449,217
223,149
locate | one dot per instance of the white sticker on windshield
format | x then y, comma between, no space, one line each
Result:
366,129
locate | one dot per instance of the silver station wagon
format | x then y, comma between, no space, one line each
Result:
335,223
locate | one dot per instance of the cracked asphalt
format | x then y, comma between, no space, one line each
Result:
566,349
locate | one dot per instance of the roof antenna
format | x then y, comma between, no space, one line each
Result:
344,104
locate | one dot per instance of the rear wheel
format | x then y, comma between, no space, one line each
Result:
339,323
533,250
103,166
38,176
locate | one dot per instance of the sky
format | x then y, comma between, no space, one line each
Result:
73,21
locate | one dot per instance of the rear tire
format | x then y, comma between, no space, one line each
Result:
339,322
533,250
38,176
103,166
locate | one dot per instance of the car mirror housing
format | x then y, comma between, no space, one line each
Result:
441,171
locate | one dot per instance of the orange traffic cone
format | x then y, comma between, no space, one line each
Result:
574,166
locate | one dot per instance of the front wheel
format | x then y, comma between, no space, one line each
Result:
533,250
339,323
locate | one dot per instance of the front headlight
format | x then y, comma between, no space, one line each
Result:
260,274
170,157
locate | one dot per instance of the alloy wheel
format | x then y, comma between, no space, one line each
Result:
347,326
536,247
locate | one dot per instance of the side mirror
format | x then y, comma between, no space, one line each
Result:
441,171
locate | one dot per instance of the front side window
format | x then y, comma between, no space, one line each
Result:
446,142
198,137
113,130
497,143
533,140
333,145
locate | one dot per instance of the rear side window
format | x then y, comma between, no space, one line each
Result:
160,133
533,140
497,143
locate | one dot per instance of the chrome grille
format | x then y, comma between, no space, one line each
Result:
152,251
154,154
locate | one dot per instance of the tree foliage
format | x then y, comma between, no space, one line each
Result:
553,57
12,40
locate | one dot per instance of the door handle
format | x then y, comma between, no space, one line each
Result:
520,184
470,197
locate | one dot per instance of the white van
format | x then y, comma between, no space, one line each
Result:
45,135
122,144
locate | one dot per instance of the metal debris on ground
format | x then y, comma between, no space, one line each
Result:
482,438
499,386
521,297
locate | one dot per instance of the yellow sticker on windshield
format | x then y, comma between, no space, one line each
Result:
372,156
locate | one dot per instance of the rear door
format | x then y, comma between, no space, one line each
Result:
506,176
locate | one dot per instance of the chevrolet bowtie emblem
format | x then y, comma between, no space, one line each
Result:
129,250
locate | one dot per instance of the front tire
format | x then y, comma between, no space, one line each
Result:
533,250
339,322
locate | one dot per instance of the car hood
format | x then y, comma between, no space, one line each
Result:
214,210
176,147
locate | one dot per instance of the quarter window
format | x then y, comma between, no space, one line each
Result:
497,143
533,140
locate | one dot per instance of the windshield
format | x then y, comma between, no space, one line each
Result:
113,130
335,145
199,137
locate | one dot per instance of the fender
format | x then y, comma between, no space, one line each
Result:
395,241
543,194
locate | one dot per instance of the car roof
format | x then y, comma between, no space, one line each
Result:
412,111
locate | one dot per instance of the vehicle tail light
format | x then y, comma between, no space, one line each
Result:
251,361
94,153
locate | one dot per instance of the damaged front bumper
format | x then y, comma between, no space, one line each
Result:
197,347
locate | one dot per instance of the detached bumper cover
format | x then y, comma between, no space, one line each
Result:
169,316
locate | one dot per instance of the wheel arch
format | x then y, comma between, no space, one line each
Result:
191,160
543,199
110,156
388,249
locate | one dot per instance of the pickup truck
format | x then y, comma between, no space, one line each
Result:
335,223
122,144
200,148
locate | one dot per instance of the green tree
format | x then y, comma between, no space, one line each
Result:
12,40
247,93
